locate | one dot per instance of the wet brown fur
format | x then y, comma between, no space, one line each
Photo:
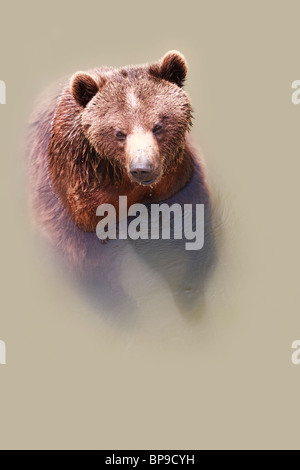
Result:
76,163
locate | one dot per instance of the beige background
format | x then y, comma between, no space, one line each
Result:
73,378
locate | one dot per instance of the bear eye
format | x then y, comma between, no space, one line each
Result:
121,136
157,129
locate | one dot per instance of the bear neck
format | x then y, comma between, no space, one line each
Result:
82,206
81,203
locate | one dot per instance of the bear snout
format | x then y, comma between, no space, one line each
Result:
144,168
142,171
143,159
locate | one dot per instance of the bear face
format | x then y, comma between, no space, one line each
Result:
137,120
120,132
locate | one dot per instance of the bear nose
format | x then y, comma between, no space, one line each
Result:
142,172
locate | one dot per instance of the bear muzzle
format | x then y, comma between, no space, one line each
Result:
142,172
143,159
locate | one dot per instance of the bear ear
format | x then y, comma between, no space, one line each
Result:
172,67
83,88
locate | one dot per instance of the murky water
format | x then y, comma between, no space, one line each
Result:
155,287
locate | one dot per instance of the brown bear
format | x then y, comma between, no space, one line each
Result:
111,132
